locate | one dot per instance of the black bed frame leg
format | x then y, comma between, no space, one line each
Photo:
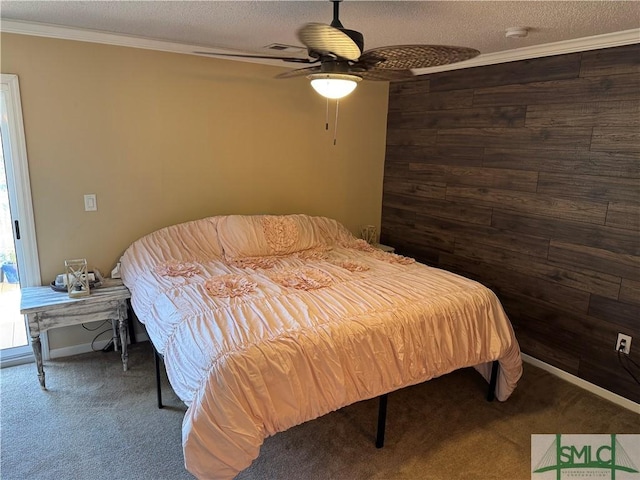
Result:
382,420
157,358
494,380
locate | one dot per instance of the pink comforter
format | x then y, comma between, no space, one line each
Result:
255,344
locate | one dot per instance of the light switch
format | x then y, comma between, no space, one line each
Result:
90,203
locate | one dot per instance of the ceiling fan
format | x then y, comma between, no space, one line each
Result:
343,61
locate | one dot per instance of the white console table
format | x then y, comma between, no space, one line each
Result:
46,308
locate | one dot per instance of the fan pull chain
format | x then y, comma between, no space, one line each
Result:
335,126
326,116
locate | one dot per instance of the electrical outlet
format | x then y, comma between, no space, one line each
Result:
623,344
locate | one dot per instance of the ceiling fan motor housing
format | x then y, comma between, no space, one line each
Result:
330,65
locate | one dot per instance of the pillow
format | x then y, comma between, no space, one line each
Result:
331,232
191,241
244,236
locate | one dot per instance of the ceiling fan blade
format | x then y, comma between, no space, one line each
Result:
300,72
405,57
269,57
327,40
383,75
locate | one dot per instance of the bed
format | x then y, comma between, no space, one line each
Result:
267,321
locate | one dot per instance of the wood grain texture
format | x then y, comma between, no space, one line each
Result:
613,61
584,279
564,161
552,352
624,215
417,188
419,86
453,175
530,138
544,211
418,100
601,259
468,117
616,240
602,188
630,291
599,114
611,139
600,368
533,245
581,90
456,155
531,204
527,71
443,209
504,279
420,137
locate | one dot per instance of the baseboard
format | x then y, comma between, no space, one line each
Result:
590,387
77,349
87,347
16,360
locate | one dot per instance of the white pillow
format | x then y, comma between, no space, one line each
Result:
244,236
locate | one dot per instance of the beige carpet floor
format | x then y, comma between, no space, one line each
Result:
97,422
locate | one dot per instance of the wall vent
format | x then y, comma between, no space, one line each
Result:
280,47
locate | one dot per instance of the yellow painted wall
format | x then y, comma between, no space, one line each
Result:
163,138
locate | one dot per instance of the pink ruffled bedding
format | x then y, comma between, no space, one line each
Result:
254,347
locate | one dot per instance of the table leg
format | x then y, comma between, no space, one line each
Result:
124,331
114,335
37,352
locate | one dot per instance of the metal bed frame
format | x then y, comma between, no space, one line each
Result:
382,404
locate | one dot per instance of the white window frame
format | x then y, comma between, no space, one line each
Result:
19,189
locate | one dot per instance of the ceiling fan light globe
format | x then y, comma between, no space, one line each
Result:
334,86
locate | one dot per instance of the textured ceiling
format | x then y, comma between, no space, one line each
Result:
249,26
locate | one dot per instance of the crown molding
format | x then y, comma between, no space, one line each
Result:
92,36
596,42
607,40
121,40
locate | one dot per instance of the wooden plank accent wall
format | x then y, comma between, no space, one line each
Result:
526,177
